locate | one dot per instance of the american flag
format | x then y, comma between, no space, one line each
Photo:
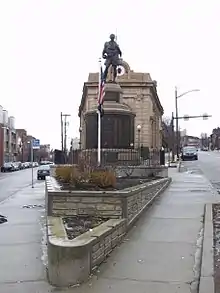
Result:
101,93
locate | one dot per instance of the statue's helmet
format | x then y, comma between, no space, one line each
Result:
112,37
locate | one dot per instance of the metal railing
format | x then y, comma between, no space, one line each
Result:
115,157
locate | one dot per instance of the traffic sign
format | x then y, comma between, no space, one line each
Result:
36,144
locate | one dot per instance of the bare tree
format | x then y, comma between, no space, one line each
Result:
167,132
167,120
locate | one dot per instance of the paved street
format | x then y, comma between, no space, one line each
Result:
11,183
160,254
209,164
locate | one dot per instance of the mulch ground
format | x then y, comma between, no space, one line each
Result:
120,184
77,225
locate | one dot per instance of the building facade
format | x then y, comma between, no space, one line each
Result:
24,148
189,140
8,147
132,117
22,145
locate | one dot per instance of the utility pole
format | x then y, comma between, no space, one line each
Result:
64,134
173,137
177,96
186,118
61,124
177,124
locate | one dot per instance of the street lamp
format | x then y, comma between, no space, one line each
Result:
80,137
177,122
139,135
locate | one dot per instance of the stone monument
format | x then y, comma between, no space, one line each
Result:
112,55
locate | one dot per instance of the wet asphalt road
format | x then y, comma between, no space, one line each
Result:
208,164
11,183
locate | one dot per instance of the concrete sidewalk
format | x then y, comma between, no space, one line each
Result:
21,254
161,254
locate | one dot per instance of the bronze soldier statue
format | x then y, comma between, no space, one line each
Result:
111,53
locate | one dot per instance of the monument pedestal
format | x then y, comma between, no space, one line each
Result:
112,92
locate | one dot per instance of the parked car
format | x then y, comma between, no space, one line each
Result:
7,167
16,166
205,149
26,165
20,166
189,153
43,171
23,166
46,163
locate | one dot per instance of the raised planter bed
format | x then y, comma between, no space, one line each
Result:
121,183
71,261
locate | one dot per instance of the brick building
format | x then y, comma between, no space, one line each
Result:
8,148
133,117
24,148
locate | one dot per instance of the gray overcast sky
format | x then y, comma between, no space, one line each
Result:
48,47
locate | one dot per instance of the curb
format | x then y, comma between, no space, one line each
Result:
206,283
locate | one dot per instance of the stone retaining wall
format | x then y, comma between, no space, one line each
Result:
137,202
118,204
72,261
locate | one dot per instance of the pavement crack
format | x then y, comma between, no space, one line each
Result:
22,281
141,280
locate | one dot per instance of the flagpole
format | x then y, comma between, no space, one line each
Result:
99,120
99,138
